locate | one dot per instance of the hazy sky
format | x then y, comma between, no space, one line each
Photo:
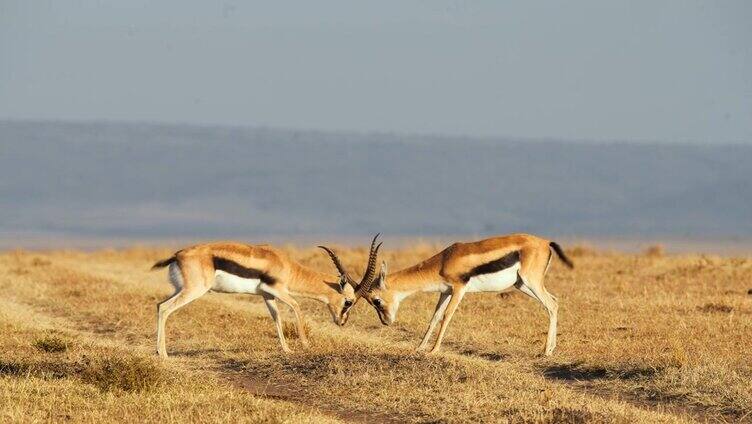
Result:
649,70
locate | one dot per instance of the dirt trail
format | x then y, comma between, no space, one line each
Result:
91,328
589,387
262,387
83,328
268,389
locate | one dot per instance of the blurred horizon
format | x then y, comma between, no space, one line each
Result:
157,121
394,135
102,182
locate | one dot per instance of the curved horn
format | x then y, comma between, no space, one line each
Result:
337,264
369,276
372,255
366,284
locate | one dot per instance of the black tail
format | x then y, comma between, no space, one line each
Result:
164,263
560,252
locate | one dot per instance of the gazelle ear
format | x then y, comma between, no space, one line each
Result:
382,276
342,283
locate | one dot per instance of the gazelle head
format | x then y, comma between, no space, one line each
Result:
372,288
349,291
340,302
385,301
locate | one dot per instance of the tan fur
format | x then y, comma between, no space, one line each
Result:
292,279
444,271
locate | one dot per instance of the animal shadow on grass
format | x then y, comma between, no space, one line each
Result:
488,356
474,352
720,308
317,366
577,371
200,352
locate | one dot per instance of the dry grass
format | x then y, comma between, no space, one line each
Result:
649,337
655,251
290,330
51,344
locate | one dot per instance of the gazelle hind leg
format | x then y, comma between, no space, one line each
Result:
271,304
161,318
440,308
539,293
166,308
192,286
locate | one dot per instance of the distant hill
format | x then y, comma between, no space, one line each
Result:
152,181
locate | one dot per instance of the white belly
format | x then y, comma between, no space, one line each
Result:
229,283
496,282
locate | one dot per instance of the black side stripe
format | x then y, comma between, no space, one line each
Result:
235,268
497,265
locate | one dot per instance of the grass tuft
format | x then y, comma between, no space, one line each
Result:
569,415
123,373
13,368
108,373
51,344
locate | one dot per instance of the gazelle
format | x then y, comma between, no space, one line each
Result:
262,270
492,265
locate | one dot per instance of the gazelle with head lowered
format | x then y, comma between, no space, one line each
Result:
492,265
262,270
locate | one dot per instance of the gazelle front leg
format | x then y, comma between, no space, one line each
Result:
271,304
440,308
288,300
458,292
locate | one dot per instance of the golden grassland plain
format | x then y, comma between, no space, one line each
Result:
644,337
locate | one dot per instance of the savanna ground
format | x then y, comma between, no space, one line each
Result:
642,338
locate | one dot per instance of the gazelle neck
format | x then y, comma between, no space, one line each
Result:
311,284
423,277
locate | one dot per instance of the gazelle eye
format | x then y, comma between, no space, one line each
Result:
377,303
348,303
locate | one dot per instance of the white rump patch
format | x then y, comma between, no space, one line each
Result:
496,282
176,277
229,283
